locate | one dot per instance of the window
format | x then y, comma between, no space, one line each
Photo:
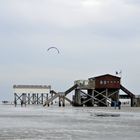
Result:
104,81
101,82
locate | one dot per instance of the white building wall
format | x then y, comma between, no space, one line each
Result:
19,89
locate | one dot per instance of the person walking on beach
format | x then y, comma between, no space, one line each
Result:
15,103
115,104
21,103
119,105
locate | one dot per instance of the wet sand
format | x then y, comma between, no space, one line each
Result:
68,123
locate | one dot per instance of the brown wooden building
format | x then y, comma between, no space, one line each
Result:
106,81
100,91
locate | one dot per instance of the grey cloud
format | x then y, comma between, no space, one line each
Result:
67,14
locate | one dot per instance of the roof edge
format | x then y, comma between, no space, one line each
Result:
105,75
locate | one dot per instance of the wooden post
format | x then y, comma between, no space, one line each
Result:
51,97
15,100
42,98
23,99
93,98
77,97
59,101
63,101
106,96
28,98
33,98
37,98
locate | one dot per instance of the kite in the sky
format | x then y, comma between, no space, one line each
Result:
53,48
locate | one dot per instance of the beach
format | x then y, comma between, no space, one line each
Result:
35,122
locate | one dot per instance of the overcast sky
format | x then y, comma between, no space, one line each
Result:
94,37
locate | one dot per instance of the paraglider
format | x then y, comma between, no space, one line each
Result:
53,48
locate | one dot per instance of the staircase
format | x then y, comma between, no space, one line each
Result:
130,94
71,89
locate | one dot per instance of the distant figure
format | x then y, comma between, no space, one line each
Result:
21,103
119,105
115,104
15,103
